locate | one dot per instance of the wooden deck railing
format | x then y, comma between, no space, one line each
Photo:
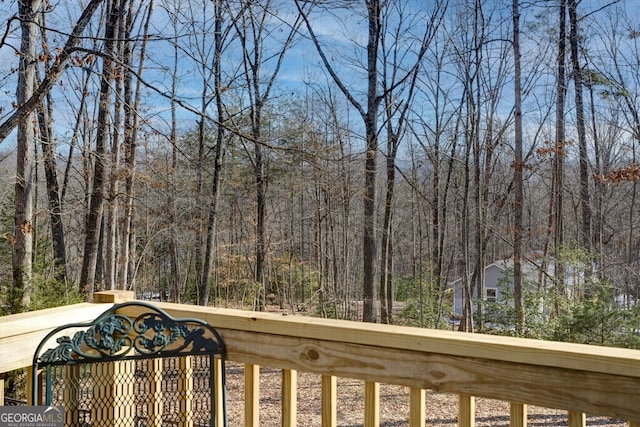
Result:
577,378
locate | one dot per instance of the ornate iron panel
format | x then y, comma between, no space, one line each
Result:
141,369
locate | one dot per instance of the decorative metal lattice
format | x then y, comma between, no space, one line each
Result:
134,365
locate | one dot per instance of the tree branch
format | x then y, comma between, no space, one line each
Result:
54,73
327,65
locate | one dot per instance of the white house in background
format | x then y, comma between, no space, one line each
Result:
496,280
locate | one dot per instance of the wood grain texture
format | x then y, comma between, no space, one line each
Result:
21,333
616,361
220,403
29,390
329,401
154,376
2,388
185,391
289,398
251,395
518,415
466,410
576,378
569,389
113,297
577,419
417,407
371,404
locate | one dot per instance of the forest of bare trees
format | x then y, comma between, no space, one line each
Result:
332,155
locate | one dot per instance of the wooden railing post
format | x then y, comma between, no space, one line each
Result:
518,415
329,399
577,419
289,398
466,410
251,395
417,411
30,374
113,396
185,391
220,404
71,395
113,297
1,388
154,396
371,404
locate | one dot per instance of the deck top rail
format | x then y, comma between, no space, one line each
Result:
573,377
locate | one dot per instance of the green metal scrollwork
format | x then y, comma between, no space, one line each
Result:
115,336
71,359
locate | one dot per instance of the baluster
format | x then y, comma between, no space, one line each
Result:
371,404
466,410
154,396
30,375
329,391
577,419
289,397
185,390
417,410
220,403
518,415
251,395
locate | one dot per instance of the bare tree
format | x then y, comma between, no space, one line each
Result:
132,97
555,221
253,28
518,166
220,40
23,240
47,141
397,101
369,111
60,63
94,218
585,203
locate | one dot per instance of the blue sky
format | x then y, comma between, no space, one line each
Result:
342,32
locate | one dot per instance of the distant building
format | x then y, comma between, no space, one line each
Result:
498,277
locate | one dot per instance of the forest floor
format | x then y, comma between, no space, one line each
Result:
442,408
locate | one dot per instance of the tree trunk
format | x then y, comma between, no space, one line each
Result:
559,153
261,191
466,323
47,141
131,108
518,166
585,231
110,221
205,291
25,162
35,99
369,312
94,219
171,197
251,31
53,193
598,222
386,255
